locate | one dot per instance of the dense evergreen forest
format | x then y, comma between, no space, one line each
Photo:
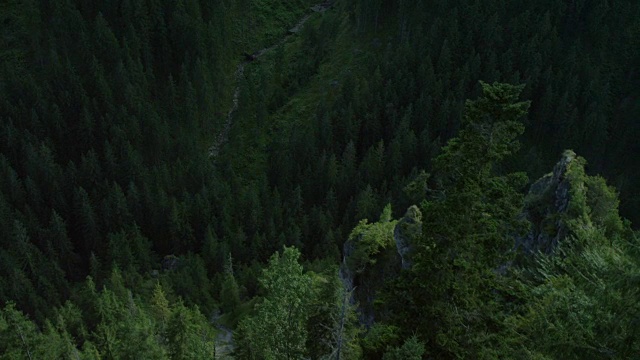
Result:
391,179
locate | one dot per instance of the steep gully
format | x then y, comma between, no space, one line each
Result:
223,135
224,338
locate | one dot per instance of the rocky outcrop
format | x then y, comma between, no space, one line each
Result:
569,202
545,205
407,231
171,262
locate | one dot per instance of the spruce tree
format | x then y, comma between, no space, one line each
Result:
461,255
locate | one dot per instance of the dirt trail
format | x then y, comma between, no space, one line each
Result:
223,135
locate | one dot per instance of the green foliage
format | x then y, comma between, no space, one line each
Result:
603,201
416,190
459,303
412,349
277,330
491,126
229,290
272,18
411,225
90,80
23,340
190,281
379,337
367,240
107,111
578,302
126,327
333,325
159,307
188,334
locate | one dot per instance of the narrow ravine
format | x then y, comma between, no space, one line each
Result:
224,338
223,135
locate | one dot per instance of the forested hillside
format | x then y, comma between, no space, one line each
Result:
380,192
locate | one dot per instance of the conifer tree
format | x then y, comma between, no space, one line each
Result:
189,335
229,292
461,255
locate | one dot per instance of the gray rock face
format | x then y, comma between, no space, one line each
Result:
545,203
406,232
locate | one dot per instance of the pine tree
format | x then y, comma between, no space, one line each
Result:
189,334
59,245
86,222
160,309
462,254
20,336
229,292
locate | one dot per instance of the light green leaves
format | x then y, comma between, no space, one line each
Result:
277,330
